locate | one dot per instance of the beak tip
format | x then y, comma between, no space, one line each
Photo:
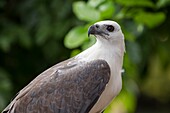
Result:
89,34
90,30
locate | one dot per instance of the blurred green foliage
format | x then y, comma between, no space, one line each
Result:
36,34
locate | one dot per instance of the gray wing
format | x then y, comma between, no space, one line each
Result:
63,88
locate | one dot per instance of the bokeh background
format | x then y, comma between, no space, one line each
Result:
36,34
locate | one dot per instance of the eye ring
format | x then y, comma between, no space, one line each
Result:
110,28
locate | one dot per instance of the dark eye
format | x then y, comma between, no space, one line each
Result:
110,28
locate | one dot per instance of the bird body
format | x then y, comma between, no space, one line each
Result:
112,52
85,83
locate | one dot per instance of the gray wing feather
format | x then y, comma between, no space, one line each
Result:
63,89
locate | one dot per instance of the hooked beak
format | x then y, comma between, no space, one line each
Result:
91,30
95,30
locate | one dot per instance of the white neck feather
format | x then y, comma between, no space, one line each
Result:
112,53
105,50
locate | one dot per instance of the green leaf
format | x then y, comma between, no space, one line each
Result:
95,3
107,9
89,43
76,37
162,3
150,19
144,3
85,12
75,52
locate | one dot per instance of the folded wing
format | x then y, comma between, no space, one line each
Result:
64,88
